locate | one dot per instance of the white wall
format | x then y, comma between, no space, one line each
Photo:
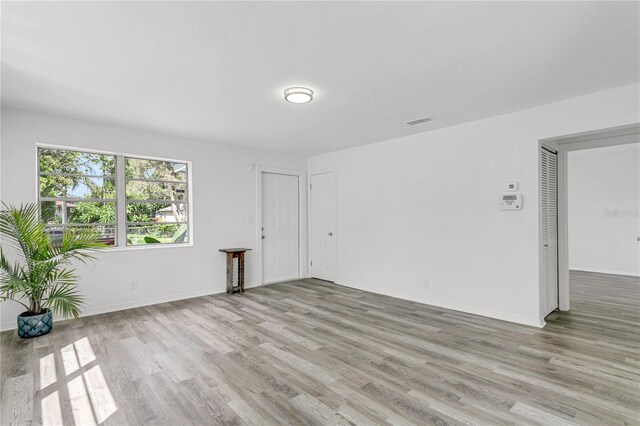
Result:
427,206
603,203
224,194
420,206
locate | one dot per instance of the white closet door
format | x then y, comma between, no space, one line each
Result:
549,176
280,227
323,226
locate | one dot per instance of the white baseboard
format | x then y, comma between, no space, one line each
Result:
114,307
605,271
282,281
251,285
504,316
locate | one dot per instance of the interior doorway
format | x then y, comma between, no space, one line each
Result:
603,210
563,145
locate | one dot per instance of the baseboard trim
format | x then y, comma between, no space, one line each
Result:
282,281
249,285
115,307
605,271
503,316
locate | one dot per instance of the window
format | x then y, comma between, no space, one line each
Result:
78,189
131,201
157,203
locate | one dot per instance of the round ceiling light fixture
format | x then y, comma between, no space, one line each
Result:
298,95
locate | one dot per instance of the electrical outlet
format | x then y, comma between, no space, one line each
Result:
133,285
425,282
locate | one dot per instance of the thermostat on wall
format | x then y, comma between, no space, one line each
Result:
511,201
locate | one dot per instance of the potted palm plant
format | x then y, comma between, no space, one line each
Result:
39,277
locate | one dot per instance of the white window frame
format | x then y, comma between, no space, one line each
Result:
120,201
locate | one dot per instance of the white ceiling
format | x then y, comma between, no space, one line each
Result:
216,70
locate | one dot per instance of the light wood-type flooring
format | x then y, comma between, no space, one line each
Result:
311,352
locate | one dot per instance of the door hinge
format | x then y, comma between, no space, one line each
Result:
311,262
309,186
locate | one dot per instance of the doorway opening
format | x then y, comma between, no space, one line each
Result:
564,146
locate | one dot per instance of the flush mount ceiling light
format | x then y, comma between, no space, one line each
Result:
298,95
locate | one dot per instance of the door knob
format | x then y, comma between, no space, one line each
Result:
331,234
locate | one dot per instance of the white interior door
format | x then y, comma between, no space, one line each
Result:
280,227
323,226
549,196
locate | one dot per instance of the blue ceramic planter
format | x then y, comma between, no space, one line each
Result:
34,325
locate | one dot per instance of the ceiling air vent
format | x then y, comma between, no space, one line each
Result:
420,121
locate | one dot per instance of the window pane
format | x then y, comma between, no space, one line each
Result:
77,187
159,213
107,233
141,190
55,212
157,234
154,169
76,162
50,212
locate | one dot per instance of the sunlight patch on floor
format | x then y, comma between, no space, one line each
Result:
51,413
100,394
84,351
48,374
69,359
80,403
90,398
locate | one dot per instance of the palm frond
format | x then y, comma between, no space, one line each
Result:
22,228
7,269
13,284
63,277
77,243
12,277
64,300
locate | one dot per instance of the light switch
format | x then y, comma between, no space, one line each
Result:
250,219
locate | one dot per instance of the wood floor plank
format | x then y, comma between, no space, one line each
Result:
17,400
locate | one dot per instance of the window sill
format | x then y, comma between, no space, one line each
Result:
146,247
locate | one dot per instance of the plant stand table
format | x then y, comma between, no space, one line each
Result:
235,253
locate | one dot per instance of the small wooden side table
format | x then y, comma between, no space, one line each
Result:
235,253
